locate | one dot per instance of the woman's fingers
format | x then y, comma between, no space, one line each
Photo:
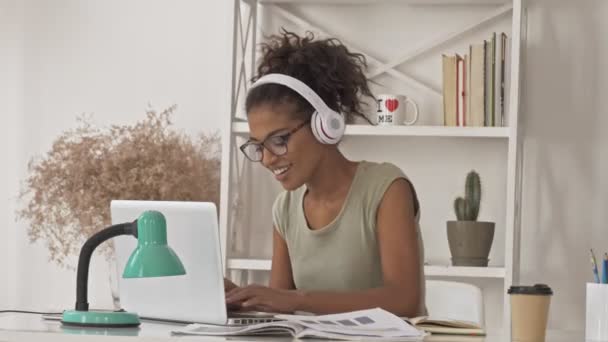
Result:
252,302
239,294
245,289
235,291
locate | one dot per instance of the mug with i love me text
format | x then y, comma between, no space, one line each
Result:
391,110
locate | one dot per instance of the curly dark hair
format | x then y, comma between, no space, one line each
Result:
326,66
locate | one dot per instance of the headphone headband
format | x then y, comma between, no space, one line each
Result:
298,86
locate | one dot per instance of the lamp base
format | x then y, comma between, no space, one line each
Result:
101,319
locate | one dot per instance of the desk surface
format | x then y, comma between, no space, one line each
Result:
28,327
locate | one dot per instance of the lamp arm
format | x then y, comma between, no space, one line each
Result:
82,276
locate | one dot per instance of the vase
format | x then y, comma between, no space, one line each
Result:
470,242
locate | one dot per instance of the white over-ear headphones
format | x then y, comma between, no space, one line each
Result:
327,125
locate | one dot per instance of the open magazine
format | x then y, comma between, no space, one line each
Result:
437,325
372,324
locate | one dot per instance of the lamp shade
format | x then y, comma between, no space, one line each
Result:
152,257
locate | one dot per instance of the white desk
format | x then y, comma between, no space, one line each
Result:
28,327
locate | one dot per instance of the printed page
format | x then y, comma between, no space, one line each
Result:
273,328
371,323
309,333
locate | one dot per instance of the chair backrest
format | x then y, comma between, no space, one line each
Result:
454,300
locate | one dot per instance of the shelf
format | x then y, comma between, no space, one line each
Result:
249,264
429,270
467,272
406,2
242,128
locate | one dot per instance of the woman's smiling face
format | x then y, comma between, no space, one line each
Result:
297,152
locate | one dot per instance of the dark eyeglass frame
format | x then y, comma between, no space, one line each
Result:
283,136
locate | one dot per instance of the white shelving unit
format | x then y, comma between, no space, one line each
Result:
234,170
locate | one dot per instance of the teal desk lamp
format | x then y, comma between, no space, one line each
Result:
152,258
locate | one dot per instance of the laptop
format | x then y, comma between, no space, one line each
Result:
198,296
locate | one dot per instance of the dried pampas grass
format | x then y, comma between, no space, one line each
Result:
68,191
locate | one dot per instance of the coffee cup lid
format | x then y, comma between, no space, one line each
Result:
537,289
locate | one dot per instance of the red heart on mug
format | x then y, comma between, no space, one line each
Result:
391,104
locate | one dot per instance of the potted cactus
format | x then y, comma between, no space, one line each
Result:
470,240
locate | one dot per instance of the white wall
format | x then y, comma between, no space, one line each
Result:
111,58
565,188
11,102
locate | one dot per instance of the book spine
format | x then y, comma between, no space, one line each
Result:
493,87
502,78
467,93
460,91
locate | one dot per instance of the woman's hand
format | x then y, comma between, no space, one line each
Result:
262,298
229,286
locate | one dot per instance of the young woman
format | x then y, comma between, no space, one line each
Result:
346,234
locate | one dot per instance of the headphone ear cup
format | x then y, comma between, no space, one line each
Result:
337,125
331,127
328,128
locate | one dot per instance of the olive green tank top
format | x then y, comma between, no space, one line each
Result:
344,255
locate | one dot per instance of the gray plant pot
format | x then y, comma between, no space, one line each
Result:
470,242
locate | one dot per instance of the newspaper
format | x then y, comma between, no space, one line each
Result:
372,324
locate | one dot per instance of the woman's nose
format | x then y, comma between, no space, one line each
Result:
268,158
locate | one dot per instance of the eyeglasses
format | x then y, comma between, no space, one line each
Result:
276,144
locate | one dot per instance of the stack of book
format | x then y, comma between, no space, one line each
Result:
474,84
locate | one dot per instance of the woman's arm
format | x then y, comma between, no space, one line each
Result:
397,238
281,276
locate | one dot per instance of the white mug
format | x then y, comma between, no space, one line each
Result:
391,110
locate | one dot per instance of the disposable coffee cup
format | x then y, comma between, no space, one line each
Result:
529,312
